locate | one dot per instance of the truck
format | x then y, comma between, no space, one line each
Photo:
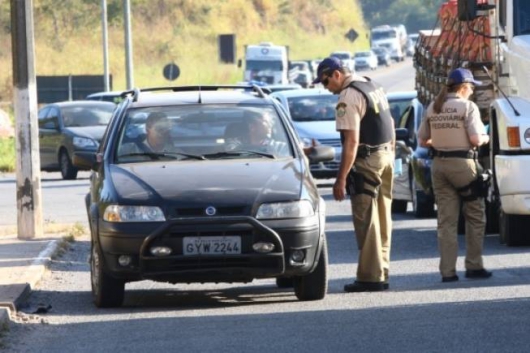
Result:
266,62
387,37
492,39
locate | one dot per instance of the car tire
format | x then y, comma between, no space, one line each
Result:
285,282
314,285
68,171
399,206
511,229
422,205
107,292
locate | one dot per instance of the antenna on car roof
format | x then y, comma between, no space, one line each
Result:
200,100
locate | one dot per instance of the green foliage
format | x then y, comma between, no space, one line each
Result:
7,155
68,36
414,14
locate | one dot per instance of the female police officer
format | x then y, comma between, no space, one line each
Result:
453,129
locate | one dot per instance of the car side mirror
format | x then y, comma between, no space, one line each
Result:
86,160
402,134
321,154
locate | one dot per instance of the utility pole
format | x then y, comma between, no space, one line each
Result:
104,30
128,43
29,201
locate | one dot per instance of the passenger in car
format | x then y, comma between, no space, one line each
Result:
157,138
255,134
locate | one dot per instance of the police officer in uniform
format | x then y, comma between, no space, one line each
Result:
366,168
453,129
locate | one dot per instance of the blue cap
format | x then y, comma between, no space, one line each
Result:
461,75
327,66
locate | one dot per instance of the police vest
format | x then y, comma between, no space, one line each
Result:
376,124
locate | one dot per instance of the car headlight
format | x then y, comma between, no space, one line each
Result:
84,142
296,209
117,213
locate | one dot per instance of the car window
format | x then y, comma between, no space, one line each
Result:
48,119
209,131
312,108
397,107
87,115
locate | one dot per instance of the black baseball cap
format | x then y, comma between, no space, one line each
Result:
327,66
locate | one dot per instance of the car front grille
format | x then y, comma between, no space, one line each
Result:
201,211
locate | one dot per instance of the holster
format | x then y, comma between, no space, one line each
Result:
356,182
478,188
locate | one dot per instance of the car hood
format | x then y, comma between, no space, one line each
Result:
93,132
208,183
317,129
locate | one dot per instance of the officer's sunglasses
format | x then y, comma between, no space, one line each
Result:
325,81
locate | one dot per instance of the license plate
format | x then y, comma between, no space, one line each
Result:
228,245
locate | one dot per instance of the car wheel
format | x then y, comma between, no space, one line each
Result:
314,285
399,206
285,282
68,171
422,204
511,229
107,292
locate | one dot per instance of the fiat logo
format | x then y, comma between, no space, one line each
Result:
210,211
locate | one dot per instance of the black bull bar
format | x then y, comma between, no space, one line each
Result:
261,233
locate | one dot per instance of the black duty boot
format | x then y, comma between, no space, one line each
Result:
357,287
450,279
482,273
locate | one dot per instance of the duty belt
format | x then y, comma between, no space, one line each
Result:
364,150
471,154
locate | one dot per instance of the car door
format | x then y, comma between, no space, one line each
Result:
49,137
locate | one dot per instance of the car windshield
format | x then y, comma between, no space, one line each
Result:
264,65
397,107
87,115
388,34
363,54
202,132
313,108
341,56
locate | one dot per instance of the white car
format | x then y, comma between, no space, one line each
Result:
346,58
365,60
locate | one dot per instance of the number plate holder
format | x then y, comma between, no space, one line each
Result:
212,245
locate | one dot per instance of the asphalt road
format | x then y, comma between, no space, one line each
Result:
418,313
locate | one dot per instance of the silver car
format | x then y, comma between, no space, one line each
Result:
312,112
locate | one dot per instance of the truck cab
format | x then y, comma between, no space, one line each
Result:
389,38
266,62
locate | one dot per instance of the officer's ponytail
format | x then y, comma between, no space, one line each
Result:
440,100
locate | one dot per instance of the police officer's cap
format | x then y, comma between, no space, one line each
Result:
327,66
461,75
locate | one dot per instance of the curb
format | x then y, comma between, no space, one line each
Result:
32,275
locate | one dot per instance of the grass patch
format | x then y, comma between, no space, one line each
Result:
7,155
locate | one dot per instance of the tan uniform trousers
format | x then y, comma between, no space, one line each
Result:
449,174
372,218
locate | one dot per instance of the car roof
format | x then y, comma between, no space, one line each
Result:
401,95
105,94
82,102
302,93
166,97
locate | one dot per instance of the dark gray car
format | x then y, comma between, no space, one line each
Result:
69,127
212,205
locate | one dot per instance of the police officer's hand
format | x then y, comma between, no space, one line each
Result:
339,189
